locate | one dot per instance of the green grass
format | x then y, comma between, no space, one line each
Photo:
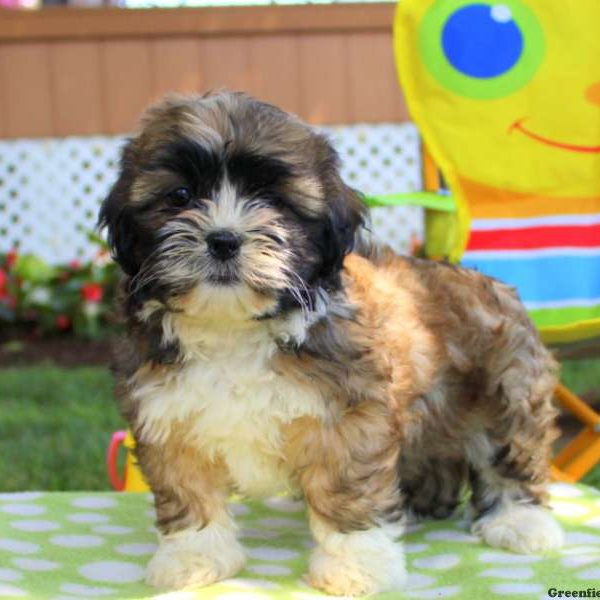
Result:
582,376
55,425
593,477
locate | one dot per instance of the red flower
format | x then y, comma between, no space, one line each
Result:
11,258
75,265
415,244
63,322
92,292
3,279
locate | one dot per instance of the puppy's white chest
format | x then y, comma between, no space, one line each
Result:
234,405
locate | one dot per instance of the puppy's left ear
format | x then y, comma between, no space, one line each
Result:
116,217
347,213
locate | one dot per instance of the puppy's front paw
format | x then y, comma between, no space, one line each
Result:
195,558
174,570
357,564
521,528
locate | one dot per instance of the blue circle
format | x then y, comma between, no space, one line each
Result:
481,41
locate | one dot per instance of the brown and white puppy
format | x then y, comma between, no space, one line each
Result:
262,356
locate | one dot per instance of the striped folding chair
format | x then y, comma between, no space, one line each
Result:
507,96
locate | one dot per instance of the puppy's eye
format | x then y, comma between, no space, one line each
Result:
180,197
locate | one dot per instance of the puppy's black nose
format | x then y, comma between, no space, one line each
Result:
223,244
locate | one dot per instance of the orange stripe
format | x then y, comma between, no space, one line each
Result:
431,173
491,203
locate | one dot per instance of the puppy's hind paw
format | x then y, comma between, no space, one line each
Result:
521,528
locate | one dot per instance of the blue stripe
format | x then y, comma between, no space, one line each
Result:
545,278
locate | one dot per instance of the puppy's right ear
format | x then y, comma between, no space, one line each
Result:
116,216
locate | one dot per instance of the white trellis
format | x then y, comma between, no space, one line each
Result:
51,189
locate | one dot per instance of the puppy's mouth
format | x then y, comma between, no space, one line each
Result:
223,279
223,273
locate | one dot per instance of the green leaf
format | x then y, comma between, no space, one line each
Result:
34,269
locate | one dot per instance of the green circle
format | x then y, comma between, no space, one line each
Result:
430,46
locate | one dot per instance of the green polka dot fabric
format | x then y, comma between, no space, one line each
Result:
69,546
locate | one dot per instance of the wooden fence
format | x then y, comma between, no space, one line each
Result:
66,71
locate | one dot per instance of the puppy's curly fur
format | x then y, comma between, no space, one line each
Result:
275,358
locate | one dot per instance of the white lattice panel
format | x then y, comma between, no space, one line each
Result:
384,159
50,189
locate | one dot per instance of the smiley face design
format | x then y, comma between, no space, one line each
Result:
511,89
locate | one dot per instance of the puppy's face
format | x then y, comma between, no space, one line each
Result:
232,203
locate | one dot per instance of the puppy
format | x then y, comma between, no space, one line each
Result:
261,355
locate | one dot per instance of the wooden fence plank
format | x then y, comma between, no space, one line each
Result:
27,97
324,78
3,86
374,89
77,88
177,66
62,23
225,63
274,70
127,82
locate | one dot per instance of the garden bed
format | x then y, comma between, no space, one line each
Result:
62,351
